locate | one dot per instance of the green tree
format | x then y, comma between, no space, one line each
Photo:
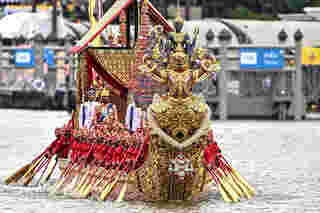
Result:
296,5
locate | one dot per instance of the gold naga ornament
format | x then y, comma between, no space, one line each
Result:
179,123
179,113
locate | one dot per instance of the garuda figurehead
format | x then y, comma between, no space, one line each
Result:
178,61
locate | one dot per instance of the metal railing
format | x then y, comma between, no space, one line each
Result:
257,91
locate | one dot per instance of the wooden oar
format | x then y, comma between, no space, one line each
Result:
50,170
31,169
244,182
17,175
125,185
44,170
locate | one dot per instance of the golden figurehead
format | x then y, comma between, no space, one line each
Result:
179,113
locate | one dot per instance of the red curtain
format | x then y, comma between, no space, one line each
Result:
90,74
106,76
119,100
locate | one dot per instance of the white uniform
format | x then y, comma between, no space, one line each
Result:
133,117
87,113
90,113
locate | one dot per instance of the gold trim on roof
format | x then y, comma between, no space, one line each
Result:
105,20
117,63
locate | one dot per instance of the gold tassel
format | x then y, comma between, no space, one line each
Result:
244,182
17,175
122,192
109,188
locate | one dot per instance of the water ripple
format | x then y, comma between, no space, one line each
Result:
280,159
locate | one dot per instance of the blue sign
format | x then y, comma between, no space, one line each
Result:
49,57
24,58
261,58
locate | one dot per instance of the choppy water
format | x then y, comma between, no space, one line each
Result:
280,159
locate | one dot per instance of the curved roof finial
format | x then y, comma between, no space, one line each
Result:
178,18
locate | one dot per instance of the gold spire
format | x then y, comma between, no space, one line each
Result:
93,23
178,18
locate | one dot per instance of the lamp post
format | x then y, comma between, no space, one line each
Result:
34,6
210,36
224,40
188,9
282,36
298,95
37,42
70,73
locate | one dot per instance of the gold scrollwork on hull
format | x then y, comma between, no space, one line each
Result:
179,118
155,179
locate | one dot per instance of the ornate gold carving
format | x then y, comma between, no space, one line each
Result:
179,118
108,17
157,183
119,64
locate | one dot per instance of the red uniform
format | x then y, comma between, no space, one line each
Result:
108,156
118,155
99,152
211,152
75,151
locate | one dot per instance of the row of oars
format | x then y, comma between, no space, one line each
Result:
81,179
232,186
45,162
27,173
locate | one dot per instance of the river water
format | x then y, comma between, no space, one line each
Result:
280,159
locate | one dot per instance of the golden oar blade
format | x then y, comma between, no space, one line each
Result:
122,192
244,182
109,188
